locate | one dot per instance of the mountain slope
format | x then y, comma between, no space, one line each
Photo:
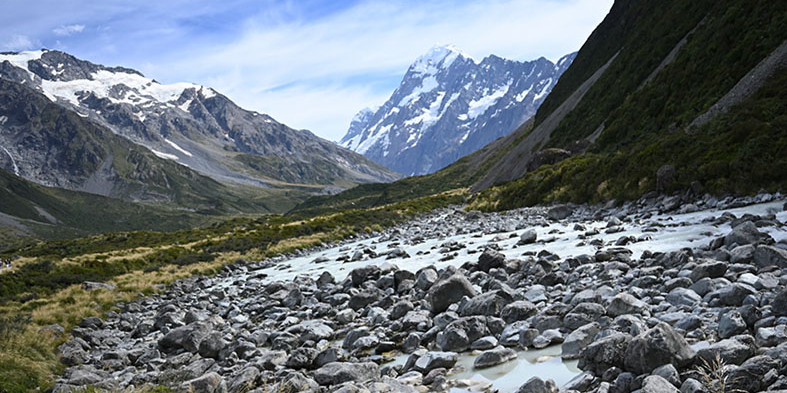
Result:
190,124
695,89
447,106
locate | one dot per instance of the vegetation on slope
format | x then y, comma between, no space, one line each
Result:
44,287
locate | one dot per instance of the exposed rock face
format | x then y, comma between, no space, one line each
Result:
448,105
190,124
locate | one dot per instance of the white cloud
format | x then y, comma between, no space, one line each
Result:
68,30
375,39
18,43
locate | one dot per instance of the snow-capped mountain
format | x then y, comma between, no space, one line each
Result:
190,124
449,105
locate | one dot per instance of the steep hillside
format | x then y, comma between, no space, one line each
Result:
449,105
58,148
190,124
692,88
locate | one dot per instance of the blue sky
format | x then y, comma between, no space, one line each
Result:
311,64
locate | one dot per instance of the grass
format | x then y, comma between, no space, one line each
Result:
45,286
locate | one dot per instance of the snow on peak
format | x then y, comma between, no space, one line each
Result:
20,59
438,57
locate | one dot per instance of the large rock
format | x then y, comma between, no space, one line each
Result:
187,337
604,353
683,297
449,291
518,311
73,352
490,303
494,357
768,255
341,372
750,376
744,233
731,324
244,381
657,384
538,385
579,339
362,299
624,303
362,274
732,295
582,314
212,345
209,383
710,269
732,350
779,304
491,259
528,237
655,347
432,360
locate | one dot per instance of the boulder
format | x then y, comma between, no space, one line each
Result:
624,303
656,347
744,233
244,381
769,255
710,269
683,297
449,291
209,383
732,295
187,337
779,304
212,345
488,303
360,275
604,353
341,372
538,385
732,350
432,360
751,375
518,311
731,324
490,259
527,237
494,357
559,212
577,340
657,384
362,299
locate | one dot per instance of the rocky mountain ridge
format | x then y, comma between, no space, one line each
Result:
192,125
449,105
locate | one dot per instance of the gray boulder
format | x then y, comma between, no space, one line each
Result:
494,357
490,303
604,353
655,347
187,337
683,297
657,384
518,311
769,255
449,291
624,303
710,269
744,233
528,237
432,360
244,381
209,383
732,350
731,324
538,385
341,372
577,340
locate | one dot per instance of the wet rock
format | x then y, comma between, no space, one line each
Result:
494,357
449,291
744,233
341,372
538,385
490,259
547,338
528,237
432,360
577,340
483,343
655,347
604,353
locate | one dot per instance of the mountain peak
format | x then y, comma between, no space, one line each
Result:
438,57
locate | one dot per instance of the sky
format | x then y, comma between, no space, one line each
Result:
311,64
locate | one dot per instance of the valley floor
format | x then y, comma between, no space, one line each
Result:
571,297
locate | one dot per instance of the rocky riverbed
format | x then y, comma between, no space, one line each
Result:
643,296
